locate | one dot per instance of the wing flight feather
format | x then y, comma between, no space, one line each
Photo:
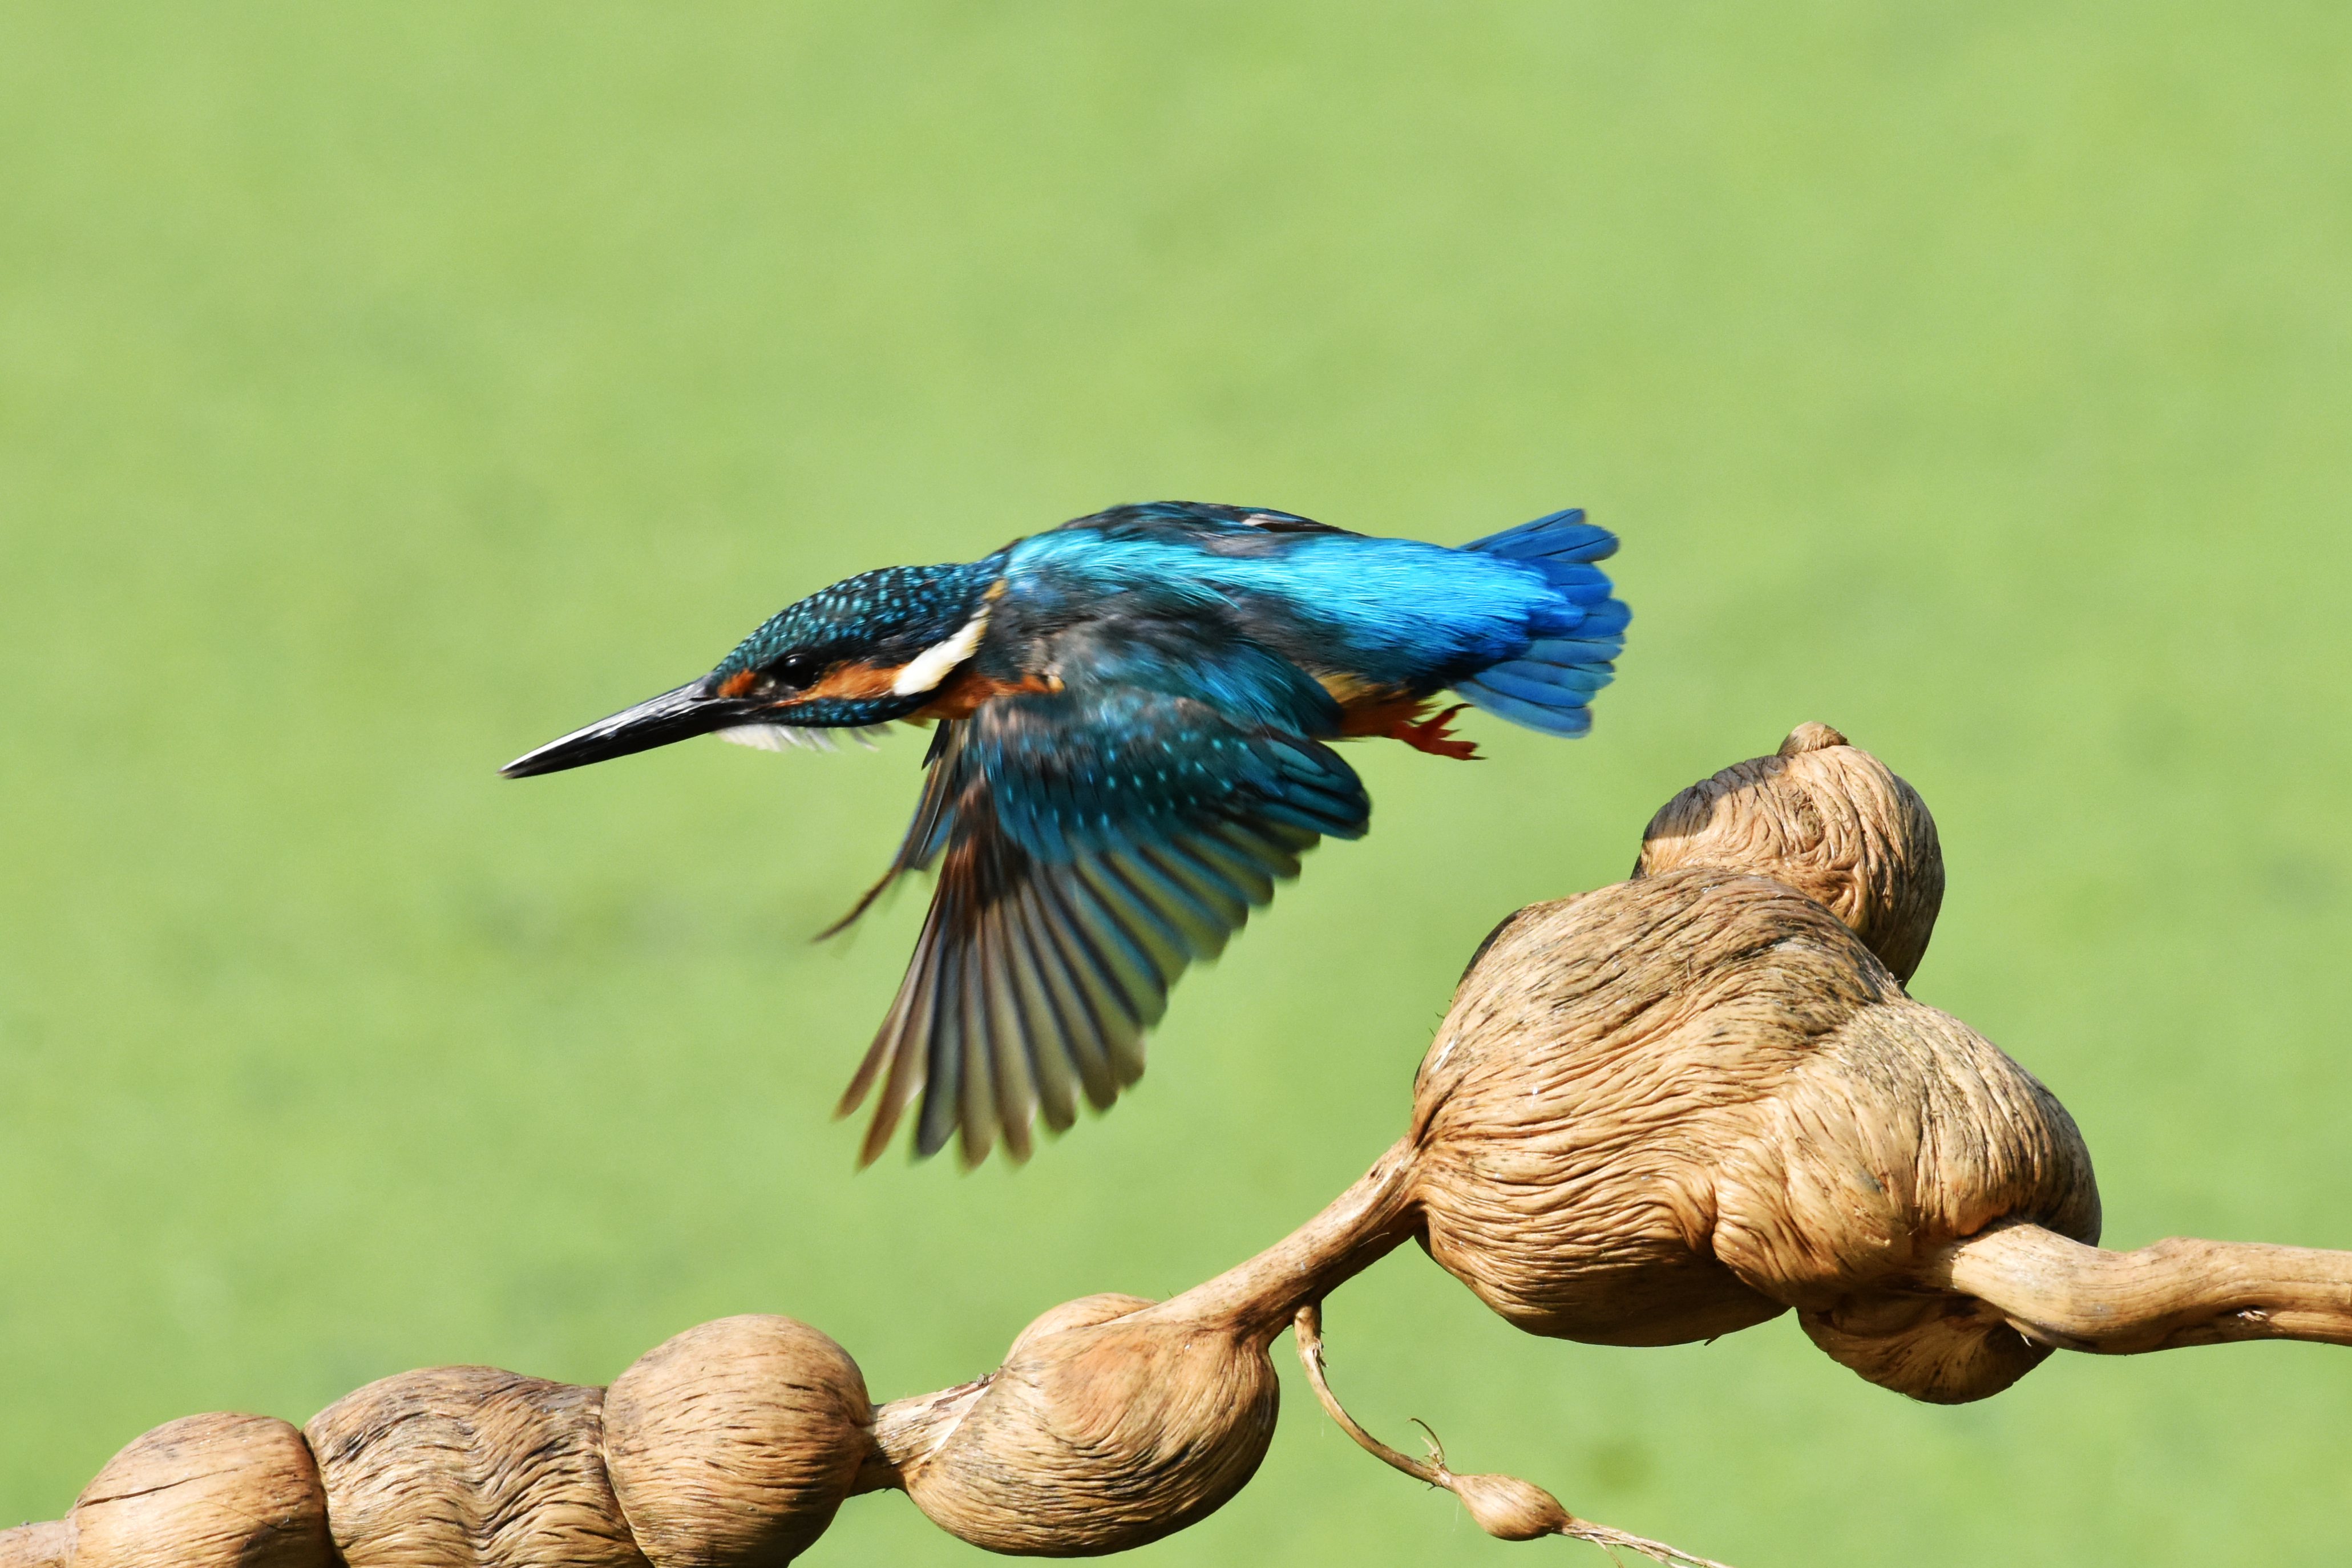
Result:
1086,859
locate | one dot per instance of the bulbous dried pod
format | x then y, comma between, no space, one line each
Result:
1111,1424
1673,1108
1941,1349
731,1444
1507,1508
468,1467
1828,819
206,1492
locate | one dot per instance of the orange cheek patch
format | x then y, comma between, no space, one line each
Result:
741,681
852,680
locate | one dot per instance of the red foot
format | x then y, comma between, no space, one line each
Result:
1434,734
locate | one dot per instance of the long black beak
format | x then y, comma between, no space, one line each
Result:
678,715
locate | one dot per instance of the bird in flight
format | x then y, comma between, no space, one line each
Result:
1133,715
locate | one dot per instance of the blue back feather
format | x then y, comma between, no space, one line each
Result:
1393,611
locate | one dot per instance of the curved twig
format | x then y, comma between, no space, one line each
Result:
1503,1506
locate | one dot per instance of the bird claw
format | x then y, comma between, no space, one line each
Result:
1434,735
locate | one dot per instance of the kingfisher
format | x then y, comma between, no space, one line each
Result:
1133,717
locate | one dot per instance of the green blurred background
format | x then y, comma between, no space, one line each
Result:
385,390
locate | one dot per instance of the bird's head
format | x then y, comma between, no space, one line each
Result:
869,649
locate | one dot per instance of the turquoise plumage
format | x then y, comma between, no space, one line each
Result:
1134,717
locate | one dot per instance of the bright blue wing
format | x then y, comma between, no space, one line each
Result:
1090,846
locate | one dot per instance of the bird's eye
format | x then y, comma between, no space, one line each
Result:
796,670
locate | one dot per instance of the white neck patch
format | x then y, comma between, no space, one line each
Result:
930,666
786,737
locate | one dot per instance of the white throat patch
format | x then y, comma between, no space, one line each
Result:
930,666
786,737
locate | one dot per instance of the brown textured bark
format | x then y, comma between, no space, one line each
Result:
731,1444
205,1491
1107,1426
49,1544
1826,818
468,1467
1114,1420
2167,1296
1680,1105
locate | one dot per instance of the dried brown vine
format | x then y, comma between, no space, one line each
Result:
1660,1111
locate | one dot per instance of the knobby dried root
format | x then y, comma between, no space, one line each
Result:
1660,1111
2056,1291
1503,1506
1115,1421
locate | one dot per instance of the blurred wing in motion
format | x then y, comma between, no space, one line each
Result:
1089,848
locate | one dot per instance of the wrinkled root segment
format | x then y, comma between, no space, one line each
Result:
1504,1507
48,1546
2056,1291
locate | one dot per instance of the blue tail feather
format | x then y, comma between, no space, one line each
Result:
1587,588
1546,682
1548,685
1561,536
1584,584
1551,719
1573,651
1541,693
1606,622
